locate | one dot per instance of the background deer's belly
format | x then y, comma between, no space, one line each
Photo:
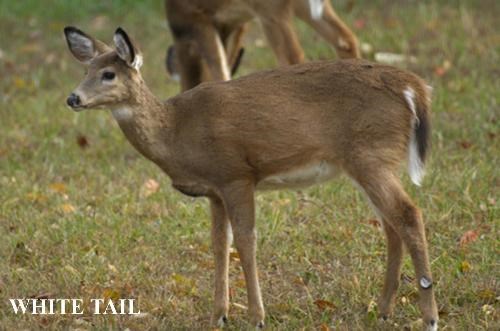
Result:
304,176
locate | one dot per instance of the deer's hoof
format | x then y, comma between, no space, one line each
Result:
222,321
432,326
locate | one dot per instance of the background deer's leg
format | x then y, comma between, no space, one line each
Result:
233,42
189,61
239,201
331,28
276,19
213,52
221,240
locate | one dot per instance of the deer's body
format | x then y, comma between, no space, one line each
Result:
208,34
297,133
290,127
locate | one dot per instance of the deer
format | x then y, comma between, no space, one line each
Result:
208,34
288,127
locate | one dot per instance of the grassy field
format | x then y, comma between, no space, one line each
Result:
78,219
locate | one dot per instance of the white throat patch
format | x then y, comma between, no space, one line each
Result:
122,113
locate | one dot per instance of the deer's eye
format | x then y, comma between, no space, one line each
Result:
108,75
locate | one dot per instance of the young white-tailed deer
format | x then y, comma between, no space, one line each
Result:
208,34
284,128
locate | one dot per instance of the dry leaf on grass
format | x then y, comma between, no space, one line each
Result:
374,222
82,141
468,237
149,187
58,187
324,327
465,267
324,304
67,208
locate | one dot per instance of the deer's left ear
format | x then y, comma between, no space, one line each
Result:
126,49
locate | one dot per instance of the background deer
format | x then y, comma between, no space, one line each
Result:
208,34
284,128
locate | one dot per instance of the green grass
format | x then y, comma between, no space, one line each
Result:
314,244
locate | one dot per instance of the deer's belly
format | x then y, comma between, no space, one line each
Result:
299,177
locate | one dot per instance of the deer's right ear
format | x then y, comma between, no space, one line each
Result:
83,47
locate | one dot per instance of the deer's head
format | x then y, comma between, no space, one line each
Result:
112,74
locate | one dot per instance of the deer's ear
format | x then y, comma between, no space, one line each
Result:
126,49
83,47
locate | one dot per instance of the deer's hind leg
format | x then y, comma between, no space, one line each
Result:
403,218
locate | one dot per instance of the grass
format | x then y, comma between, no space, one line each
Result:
75,223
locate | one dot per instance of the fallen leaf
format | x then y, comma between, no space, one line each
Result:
240,283
359,24
465,267
110,293
468,237
68,208
439,71
184,285
58,187
324,304
112,268
443,68
20,83
149,187
486,294
465,144
36,197
324,327
234,256
374,222
82,141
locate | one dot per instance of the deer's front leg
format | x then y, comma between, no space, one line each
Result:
221,240
239,200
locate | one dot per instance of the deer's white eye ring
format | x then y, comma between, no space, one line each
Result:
108,75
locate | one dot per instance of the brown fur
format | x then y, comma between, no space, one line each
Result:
196,24
222,139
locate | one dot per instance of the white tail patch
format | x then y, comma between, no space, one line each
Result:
316,7
415,165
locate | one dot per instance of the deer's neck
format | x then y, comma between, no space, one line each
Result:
145,122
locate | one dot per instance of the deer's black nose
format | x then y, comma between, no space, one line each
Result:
73,100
